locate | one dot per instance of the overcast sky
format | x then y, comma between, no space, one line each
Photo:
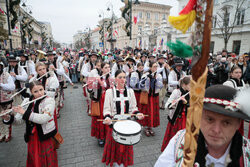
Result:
69,16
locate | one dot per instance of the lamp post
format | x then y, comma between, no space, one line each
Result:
8,22
111,40
103,24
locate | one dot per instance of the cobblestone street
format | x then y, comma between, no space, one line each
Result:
79,148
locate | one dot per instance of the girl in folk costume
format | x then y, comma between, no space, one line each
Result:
151,82
177,110
117,66
129,67
134,83
175,75
7,85
49,82
236,82
86,68
40,127
99,87
118,100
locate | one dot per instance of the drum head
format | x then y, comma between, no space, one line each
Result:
127,127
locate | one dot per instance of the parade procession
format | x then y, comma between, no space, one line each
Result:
155,84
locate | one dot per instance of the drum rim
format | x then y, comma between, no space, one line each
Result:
128,144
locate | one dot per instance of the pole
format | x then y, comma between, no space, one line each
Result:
130,20
8,21
103,33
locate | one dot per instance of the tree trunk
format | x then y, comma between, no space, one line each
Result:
225,44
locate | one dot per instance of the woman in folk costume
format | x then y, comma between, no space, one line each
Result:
134,83
7,86
177,110
40,127
237,83
85,71
117,66
151,82
97,95
151,58
49,82
118,100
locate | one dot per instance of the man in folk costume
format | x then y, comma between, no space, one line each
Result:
151,58
7,86
28,65
18,75
163,69
117,66
151,83
175,75
219,142
143,59
87,67
129,67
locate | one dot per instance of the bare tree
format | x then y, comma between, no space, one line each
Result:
225,26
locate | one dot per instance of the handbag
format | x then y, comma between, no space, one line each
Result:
57,140
95,109
144,97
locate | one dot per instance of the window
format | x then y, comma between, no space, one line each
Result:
169,37
156,16
240,17
155,30
236,47
212,47
139,29
164,17
148,15
140,15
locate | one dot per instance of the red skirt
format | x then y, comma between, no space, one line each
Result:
171,130
137,96
98,129
152,110
41,154
115,152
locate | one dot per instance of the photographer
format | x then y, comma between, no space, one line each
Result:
221,70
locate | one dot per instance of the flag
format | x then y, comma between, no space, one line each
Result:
1,11
139,43
135,19
161,42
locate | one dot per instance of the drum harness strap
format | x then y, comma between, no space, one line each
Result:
122,100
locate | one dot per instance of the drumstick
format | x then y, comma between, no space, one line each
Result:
114,120
136,114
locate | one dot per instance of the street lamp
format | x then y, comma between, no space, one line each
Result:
8,21
111,40
103,28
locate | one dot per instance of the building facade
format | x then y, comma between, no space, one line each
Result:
225,16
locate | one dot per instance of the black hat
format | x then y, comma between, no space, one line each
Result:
119,59
161,57
130,59
225,100
50,52
179,62
12,58
93,54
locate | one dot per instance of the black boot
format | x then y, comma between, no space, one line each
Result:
101,142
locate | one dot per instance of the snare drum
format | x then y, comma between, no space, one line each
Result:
127,132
